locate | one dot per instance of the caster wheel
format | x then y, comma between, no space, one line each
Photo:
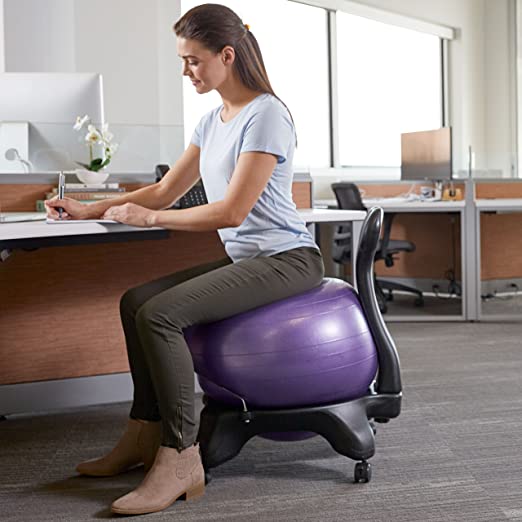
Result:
389,297
373,427
362,472
208,478
419,301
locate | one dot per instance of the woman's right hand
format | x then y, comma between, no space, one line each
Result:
72,209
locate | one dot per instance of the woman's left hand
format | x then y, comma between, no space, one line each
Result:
130,214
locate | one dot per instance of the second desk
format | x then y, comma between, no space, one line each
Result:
458,208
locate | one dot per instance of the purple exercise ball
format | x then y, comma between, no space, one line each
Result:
309,349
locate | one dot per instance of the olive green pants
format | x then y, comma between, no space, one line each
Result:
154,316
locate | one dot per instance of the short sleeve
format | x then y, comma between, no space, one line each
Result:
196,135
269,130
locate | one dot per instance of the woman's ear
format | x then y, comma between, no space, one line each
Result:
228,55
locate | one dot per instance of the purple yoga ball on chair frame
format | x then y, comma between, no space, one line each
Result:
309,349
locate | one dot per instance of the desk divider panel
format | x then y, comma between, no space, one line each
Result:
501,240
59,312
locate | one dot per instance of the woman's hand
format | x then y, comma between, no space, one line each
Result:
130,214
72,209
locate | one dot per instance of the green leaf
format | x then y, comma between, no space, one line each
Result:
95,164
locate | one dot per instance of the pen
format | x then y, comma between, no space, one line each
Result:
61,191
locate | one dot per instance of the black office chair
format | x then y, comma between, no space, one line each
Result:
349,198
160,170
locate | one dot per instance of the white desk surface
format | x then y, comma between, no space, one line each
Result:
37,229
513,204
392,205
323,215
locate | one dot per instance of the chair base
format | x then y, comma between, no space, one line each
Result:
383,284
224,430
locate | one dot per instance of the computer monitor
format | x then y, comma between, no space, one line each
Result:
50,103
426,155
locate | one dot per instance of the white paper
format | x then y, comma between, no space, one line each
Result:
51,221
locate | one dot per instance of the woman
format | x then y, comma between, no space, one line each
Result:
243,153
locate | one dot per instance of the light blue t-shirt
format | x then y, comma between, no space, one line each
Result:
264,125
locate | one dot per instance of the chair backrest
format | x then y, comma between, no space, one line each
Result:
348,196
160,170
389,377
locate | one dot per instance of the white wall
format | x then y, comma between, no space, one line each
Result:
118,39
170,87
2,39
39,36
131,43
500,130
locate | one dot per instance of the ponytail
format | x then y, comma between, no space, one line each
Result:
216,26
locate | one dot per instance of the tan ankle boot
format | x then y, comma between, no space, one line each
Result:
138,445
172,475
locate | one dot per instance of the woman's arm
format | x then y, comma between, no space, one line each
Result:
176,182
250,177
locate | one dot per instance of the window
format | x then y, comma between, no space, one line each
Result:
296,59
389,82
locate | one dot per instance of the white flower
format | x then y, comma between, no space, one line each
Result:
110,149
106,134
92,136
80,122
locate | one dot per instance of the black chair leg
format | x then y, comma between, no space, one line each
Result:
392,285
221,435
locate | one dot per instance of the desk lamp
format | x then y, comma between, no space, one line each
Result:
13,155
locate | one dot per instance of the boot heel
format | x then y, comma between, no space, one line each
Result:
195,492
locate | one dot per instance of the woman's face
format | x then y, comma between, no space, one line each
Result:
205,69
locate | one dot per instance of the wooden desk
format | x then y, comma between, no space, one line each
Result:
61,342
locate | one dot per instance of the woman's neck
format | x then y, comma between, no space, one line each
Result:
235,96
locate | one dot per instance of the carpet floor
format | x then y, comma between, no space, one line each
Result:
454,454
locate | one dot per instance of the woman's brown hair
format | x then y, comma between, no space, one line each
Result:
216,26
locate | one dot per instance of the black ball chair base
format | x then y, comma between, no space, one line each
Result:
346,426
